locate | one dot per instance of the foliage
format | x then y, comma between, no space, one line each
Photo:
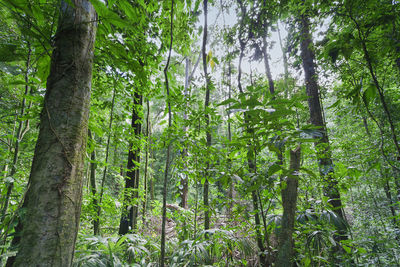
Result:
357,59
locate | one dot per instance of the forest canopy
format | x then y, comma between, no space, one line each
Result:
199,133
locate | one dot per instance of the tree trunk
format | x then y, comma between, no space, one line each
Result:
92,178
289,199
184,179
207,117
167,161
266,64
53,199
231,190
146,165
316,116
129,212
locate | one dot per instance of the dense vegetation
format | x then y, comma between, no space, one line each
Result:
166,133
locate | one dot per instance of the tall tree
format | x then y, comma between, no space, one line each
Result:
130,211
207,119
93,188
324,154
47,233
167,161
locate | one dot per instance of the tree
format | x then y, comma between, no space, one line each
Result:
207,119
130,211
48,230
322,147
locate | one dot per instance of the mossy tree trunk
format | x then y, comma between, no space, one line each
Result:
289,199
323,151
52,205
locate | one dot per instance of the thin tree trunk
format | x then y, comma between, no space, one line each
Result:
9,145
184,179
146,164
324,156
271,85
207,117
49,228
250,150
231,190
92,178
129,213
379,88
289,199
168,104
152,197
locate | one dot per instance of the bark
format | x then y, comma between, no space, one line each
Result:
316,117
289,199
207,118
129,213
53,201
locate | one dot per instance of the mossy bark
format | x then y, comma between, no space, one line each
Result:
324,154
53,201
289,199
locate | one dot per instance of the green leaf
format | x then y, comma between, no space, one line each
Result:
369,94
273,169
347,249
43,68
107,15
227,101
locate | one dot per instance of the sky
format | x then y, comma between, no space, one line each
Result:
215,17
